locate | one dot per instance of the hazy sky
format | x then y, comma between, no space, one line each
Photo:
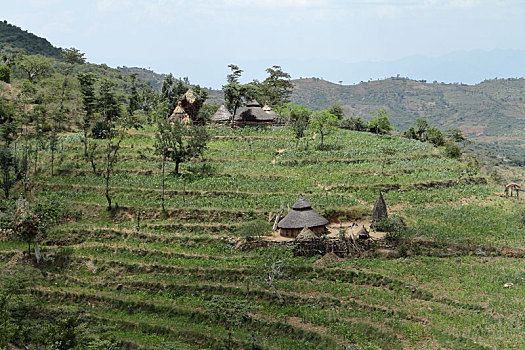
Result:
194,36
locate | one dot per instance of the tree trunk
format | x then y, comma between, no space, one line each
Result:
163,164
36,158
29,247
177,162
85,142
108,173
52,159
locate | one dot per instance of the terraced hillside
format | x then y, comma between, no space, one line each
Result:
177,281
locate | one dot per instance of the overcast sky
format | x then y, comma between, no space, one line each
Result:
198,38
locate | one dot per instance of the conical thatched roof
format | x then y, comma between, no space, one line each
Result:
254,113
190,97
363,233
380,211
222,115
306,235
302,215
179,114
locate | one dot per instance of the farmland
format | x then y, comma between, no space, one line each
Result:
165,280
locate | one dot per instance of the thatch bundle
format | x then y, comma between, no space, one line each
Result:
380,211
306,235
179,114
222,115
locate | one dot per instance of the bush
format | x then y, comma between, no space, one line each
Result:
353,123
393,224
5,74
100,129
435,136
452,150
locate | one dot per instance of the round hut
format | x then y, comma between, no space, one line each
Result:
302,215
222,116
379,212
179,115
253,114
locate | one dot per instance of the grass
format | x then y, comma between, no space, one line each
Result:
151,286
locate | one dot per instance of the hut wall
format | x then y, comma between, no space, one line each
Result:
293,232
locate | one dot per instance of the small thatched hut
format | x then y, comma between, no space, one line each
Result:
380,211
222,116
179,115
253,114
302,215
306,235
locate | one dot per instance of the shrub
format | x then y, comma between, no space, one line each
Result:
353,123
435,136
100,129
5,74
452,150
390,224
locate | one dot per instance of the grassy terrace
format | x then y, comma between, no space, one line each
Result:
152,286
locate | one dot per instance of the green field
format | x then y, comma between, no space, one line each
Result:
154,285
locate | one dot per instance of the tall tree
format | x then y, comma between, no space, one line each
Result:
277,87
110,109
12,169
380,122
71,57
87,89
234,92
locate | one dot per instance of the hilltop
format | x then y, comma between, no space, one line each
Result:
13,38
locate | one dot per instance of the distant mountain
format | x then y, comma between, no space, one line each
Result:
149,76
13,38
491,113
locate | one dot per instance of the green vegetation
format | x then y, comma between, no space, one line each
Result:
165,268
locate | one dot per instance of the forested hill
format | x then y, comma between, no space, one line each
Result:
492,113
13,38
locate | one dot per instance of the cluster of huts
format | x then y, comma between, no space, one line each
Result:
303,223
251,115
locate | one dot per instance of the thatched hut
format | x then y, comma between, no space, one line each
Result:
302,215
222,116
306,235
380,211
179,115
253,114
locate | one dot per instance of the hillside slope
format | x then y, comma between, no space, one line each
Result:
164,281
13,38
491,113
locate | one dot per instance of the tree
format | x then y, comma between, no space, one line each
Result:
230,312
234,92
337,110
11,169
276,89
457,136
298,116
87,89
26,223
8,125
180,142
35,66
434,136
274,265
71,57
110,110
5,74
380,122
323,122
